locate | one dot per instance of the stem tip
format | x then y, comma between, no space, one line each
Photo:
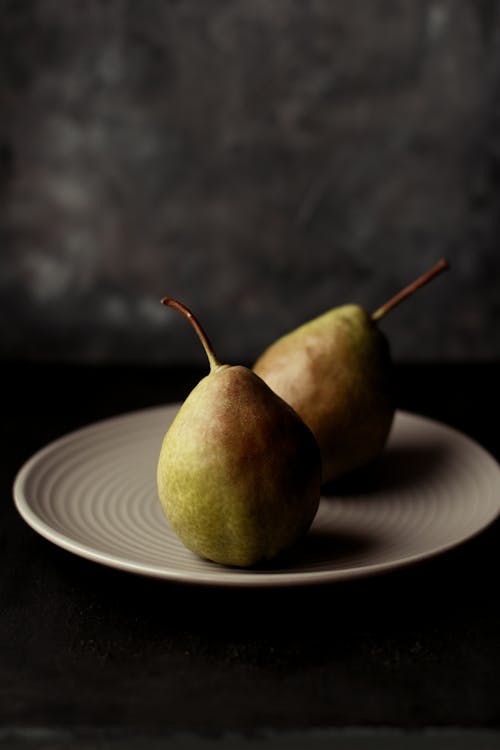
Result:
212,359
437,268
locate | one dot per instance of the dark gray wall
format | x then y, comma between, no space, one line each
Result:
261,160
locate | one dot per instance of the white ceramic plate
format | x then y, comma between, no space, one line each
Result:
93,492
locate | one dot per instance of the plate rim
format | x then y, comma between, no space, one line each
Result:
225,576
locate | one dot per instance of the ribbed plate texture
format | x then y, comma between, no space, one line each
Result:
93,492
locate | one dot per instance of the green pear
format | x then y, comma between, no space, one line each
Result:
336,372
239,473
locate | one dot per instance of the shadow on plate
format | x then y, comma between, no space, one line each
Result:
323,546
397,468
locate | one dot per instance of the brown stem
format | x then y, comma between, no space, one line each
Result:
440,266
170,302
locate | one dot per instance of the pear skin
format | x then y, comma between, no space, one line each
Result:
239,473
336,372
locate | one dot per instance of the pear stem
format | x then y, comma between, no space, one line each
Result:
212,359
441,265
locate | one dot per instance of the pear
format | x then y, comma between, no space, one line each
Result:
239,473
336,372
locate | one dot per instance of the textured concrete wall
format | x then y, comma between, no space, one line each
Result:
262,160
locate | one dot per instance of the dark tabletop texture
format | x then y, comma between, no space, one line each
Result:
82,645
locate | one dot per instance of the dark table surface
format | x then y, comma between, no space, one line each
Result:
88,651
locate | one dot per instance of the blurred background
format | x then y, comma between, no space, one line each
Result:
261,160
